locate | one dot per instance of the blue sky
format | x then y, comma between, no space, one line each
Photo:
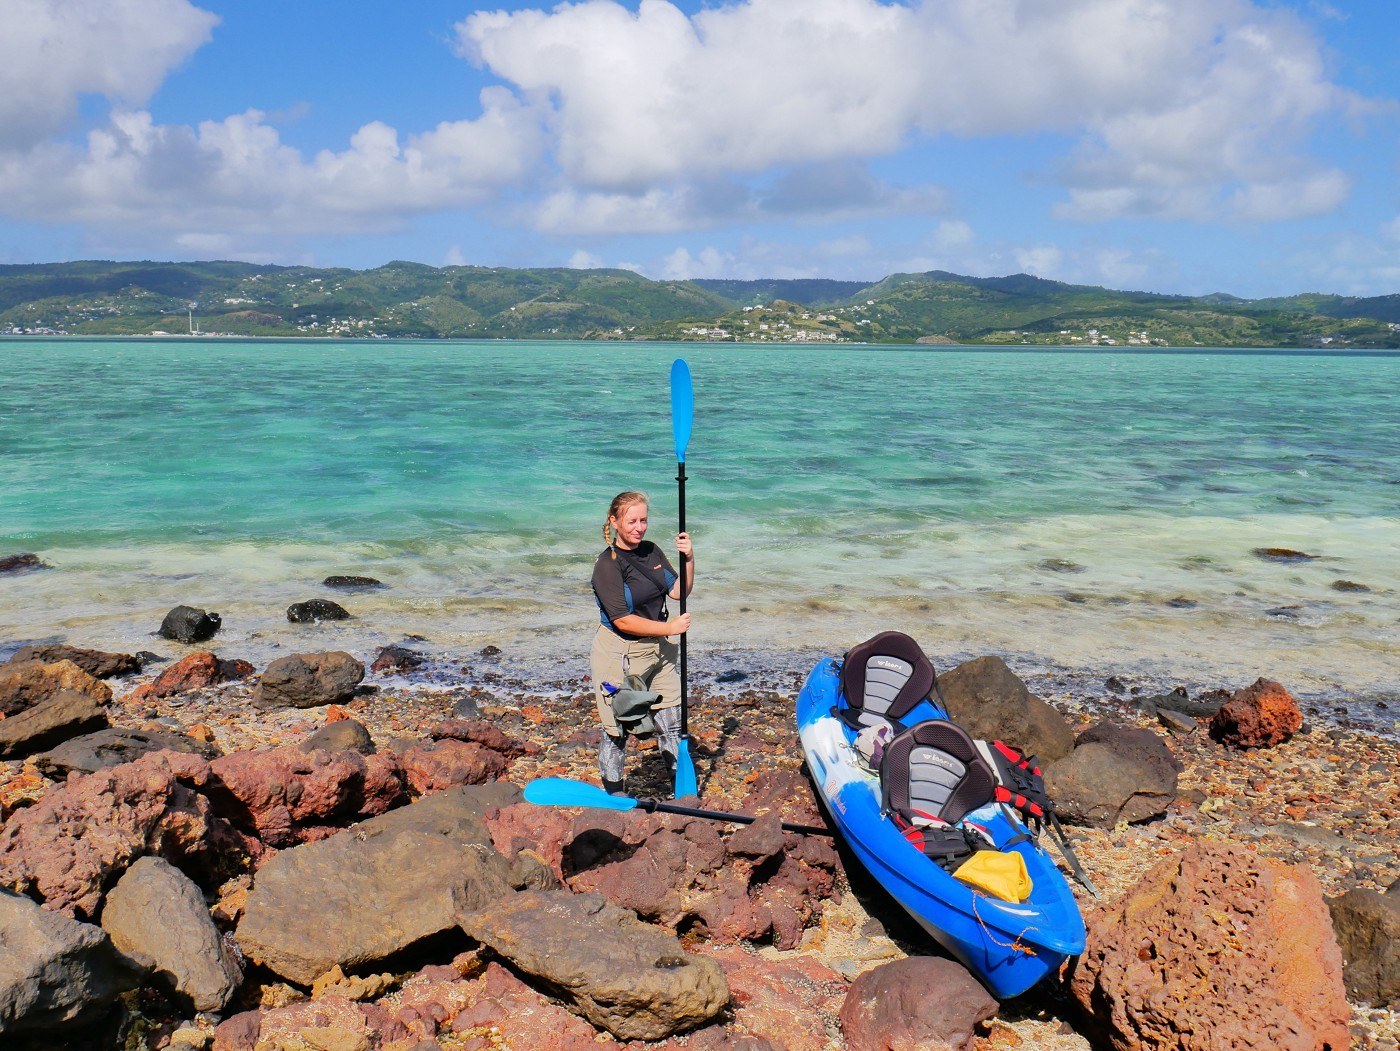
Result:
1192,146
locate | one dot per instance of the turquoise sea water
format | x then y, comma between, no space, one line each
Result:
1094,511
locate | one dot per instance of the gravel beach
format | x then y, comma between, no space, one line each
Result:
1328,798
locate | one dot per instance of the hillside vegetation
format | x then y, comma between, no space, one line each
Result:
410,300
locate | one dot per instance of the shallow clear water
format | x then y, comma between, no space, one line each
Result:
1094,511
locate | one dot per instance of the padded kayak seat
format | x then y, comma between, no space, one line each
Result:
934,770
882,680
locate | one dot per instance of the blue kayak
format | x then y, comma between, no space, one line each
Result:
1009,946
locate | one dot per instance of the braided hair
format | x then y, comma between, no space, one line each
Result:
621,502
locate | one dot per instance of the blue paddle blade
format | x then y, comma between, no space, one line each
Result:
560,791
682,406
685,771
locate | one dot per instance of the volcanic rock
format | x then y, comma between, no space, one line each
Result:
112,747
442,764
1260,715
780,999
286,795
525,829
54,720
156,915
56,974
890,1006
678,871
189,625
395,658
1215,947
74,842
26,683
367,893
315,610
97,663
1282,554
22,563
307,680
349,582
621,974
989,701
1114,774
1367,925
339,736
190,673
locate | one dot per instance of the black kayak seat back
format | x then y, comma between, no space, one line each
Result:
934,769
883,679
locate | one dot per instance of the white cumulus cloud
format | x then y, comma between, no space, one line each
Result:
53,52
637,118
1174,108
237,174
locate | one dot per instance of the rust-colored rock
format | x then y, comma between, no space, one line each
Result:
1215,947
890,1007
482,733
677,870
73,843
194,672
286,796
1260,715
26,683
781,1001
446,763
525,827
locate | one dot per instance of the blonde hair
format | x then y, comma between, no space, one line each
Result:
620,503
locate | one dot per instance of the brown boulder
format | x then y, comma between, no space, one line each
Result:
621,974
890,1007
1260,715
1215,947
286,796
26,683
788,793
194,672
52,721
988,700
1368,930
96,663
1115,773
307,680
490,1007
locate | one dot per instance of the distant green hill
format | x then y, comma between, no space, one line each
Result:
411,300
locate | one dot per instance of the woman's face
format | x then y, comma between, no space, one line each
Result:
630,526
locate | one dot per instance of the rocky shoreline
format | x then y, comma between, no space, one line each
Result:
255,798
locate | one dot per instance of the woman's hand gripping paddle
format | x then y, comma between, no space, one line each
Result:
560,791
682,414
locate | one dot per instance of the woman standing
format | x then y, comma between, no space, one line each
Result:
631,581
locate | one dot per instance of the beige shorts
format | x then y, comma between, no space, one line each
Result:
653,660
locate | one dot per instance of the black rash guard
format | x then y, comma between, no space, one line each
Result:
637,581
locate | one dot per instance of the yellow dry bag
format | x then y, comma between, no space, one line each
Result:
1000,873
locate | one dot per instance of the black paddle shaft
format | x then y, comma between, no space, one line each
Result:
651,806
680,480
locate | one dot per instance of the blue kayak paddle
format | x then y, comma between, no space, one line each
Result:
682,414
560,791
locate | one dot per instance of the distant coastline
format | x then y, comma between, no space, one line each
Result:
401,300
940,348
